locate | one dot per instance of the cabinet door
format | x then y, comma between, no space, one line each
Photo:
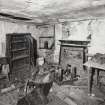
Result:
19,56
72,56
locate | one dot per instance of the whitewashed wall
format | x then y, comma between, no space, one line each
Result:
9,27
98,36
94,27
79,30
58,36
44,31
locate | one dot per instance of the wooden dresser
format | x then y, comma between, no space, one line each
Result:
18,53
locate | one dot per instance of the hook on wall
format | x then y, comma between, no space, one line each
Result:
68,31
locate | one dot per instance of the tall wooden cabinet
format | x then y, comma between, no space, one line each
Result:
18,53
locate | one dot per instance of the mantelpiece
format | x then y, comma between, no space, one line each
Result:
74,53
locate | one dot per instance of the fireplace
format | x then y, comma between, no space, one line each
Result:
74,53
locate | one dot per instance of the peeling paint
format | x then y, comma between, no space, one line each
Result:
9,27
36,9
80,31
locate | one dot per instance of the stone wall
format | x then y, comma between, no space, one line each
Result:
58,36
36,32
9,27
80,30
44,31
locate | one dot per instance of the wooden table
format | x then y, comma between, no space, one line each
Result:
92,68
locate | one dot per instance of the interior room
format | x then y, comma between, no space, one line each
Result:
52,52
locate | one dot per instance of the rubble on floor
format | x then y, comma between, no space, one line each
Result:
9,98
11,94
78,94
72,94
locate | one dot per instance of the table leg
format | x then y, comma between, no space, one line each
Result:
97,76
91,72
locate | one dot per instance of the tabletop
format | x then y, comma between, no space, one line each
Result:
92,64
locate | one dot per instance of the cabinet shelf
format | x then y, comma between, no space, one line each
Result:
14,50
20,57
21,66
20,41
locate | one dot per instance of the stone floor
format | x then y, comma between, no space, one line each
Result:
66,94
77,93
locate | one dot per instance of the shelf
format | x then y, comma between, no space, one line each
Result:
75,45
3,76
22,66
20,41
20,57
18,49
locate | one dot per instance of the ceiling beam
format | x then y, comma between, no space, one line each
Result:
80,19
